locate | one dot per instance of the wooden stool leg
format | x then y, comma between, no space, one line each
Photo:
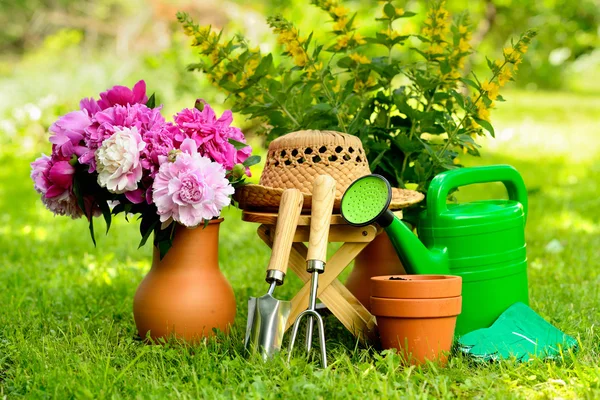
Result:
353,315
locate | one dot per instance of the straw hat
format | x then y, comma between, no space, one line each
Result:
296,159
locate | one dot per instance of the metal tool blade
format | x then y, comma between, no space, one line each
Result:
266,324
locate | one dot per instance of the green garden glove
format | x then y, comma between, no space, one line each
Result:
518,332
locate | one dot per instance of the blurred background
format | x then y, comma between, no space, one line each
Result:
54,52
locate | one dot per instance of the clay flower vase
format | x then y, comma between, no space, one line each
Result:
185,294
379,258
416,314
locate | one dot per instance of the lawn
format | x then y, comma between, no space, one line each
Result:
66,323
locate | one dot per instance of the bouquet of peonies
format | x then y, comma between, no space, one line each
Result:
118,154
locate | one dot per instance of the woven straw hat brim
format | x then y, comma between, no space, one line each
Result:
261,198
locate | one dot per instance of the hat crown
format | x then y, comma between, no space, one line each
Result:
296,159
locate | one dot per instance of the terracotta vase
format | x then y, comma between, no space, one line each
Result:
416,314
185,294
379,258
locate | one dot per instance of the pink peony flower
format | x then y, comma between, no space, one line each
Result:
122,95
212,135
53,179
118,161
192,188
107,122
68,133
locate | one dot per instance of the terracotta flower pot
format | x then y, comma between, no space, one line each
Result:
185,294
377,259
416,314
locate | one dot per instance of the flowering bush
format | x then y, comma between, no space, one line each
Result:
119,151
414,119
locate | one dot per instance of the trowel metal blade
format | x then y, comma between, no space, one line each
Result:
267,318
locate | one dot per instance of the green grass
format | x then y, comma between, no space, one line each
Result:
67,330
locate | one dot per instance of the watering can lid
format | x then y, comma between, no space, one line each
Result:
498,213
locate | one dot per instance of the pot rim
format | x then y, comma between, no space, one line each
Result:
416,308
416,286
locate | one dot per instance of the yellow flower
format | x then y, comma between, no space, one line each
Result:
392,34
435,48
464,46
456,161
511,55
491,88
358,38
340,25
523,48
300,59
504,76
482,111
339,11
462,29
336,88
399,12
251,66
260,98
342,42
359,58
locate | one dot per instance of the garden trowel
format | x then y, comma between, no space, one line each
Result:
267,316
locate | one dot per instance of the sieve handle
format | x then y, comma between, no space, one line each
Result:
443,183
290,208
323,196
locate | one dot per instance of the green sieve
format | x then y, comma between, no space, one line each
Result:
367,201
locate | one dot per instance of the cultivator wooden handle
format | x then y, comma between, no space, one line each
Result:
322,206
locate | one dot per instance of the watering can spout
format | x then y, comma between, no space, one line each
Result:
415,257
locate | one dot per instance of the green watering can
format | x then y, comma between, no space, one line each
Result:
481,241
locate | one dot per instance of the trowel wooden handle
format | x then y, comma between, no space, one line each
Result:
290,208
323,196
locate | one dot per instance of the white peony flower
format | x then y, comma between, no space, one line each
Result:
118,161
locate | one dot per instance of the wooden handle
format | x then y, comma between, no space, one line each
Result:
323,196
290,208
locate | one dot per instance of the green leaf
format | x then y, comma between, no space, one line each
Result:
105,213
151,103
91,227
322,107
345,62
486,125
238,145
377,160
469,82
164,246
458,97
407,14
252,160
147,231
389,10
266,63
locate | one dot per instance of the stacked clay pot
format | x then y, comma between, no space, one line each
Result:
416,314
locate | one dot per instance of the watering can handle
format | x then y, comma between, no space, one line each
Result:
443,183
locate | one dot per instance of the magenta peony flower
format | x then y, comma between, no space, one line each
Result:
118,161
107,122
212,135
90,106
68,133
53,179
192,188
159,141
122,95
